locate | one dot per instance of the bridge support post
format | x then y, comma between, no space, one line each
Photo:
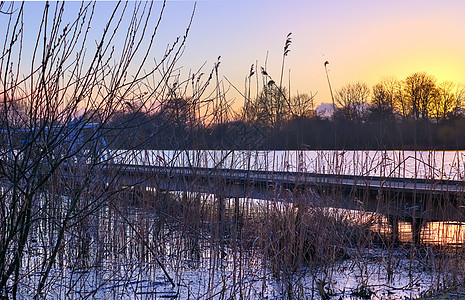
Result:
221,217
416,225
237,217
394,223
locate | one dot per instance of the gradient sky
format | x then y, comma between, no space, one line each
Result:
363,40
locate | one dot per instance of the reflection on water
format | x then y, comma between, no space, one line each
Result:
431,233
443,233
448,233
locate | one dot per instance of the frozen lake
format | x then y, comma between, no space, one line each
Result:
445,165
110,251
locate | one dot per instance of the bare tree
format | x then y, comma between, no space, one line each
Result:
458,109
420,92
449,99
267,107
353,101
58,170
302,106
384,98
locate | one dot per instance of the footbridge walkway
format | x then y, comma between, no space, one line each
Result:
406,197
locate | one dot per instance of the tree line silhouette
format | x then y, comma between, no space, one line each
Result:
414,113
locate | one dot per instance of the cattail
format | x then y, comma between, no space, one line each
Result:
252,72
287,44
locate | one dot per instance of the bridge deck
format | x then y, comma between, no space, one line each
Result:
236,176
404,197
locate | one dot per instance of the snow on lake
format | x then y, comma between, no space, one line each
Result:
446,165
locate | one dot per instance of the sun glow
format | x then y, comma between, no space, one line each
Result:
444,66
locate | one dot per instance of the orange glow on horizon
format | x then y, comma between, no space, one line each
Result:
443,66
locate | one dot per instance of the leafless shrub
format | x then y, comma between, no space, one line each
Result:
54,120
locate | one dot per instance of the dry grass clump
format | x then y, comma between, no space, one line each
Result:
299,244
447,266
298,239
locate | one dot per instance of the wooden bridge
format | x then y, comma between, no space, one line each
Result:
407,198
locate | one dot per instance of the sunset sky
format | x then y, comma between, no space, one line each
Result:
363,40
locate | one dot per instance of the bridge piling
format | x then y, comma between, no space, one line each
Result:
416,225
237,216
394,224
221,220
